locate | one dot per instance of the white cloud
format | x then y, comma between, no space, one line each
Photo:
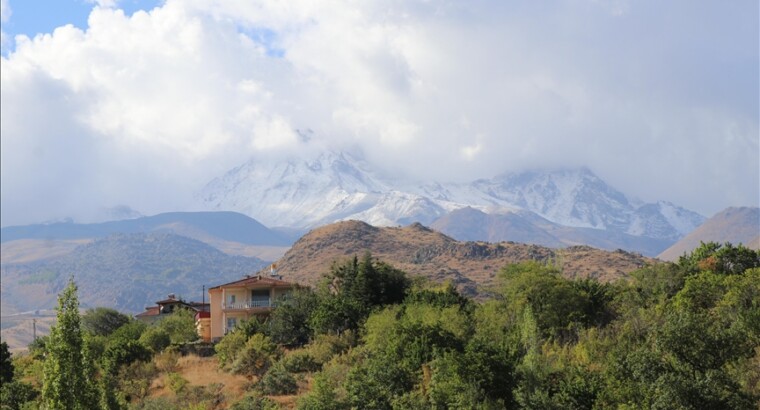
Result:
5,11
155,104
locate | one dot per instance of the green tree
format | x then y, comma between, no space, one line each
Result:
289,323
103,321
156,339
725,259
180,326
556,303
68,382
6,366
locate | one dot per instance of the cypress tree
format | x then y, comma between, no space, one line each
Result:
68,372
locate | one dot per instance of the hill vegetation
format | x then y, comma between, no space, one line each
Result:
420,251
683,335
125,272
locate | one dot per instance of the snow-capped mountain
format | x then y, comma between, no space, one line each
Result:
574,198
337,186
305,193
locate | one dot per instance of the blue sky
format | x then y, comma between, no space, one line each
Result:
660,99
32,17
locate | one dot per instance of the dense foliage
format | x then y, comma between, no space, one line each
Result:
672,336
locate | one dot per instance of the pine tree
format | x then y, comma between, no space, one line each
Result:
68,376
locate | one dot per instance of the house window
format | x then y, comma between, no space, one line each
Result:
260,297
231,299
231,324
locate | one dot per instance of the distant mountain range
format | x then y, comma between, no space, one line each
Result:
123,271
735,225
422,251
225,226
558,208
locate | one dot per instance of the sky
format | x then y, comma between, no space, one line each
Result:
141,103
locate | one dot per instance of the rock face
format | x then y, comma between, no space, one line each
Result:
422,251
306,193
735,225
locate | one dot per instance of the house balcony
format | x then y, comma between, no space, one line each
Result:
262,304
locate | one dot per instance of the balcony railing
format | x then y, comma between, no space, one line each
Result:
249,304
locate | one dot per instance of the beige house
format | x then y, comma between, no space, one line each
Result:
251,296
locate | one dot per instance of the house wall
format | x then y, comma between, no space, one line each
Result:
217,319
241,295
203,327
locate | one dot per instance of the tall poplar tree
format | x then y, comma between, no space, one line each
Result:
68,373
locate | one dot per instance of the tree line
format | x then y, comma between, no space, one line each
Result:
682,335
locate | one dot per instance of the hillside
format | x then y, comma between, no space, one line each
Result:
126,272
422,251
735,225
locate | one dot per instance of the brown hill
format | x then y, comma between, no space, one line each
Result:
421,251
735,225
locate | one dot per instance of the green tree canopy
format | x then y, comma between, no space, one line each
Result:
68,381
103,321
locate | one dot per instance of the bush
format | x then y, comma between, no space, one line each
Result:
156,339
177,383
256,357
255,403
135,380
300,361
277,381
13,395
228,348
325,347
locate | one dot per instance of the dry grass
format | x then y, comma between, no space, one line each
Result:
202,371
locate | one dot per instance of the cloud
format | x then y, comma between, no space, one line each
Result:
5,11
660,100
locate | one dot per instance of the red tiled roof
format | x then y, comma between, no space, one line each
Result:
203,315
149,311
253,280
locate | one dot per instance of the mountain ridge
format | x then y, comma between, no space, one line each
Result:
734,224
422,251
124,271
331,187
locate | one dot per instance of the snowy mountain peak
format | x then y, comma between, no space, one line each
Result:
333,186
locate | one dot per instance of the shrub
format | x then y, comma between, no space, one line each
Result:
177,383
277,381
300,361
228,348
256,357
156,339
255,403
135,380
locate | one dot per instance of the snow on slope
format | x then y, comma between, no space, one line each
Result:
336,186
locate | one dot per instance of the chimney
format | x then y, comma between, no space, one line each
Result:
172,296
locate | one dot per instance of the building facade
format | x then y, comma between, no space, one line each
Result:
234,302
